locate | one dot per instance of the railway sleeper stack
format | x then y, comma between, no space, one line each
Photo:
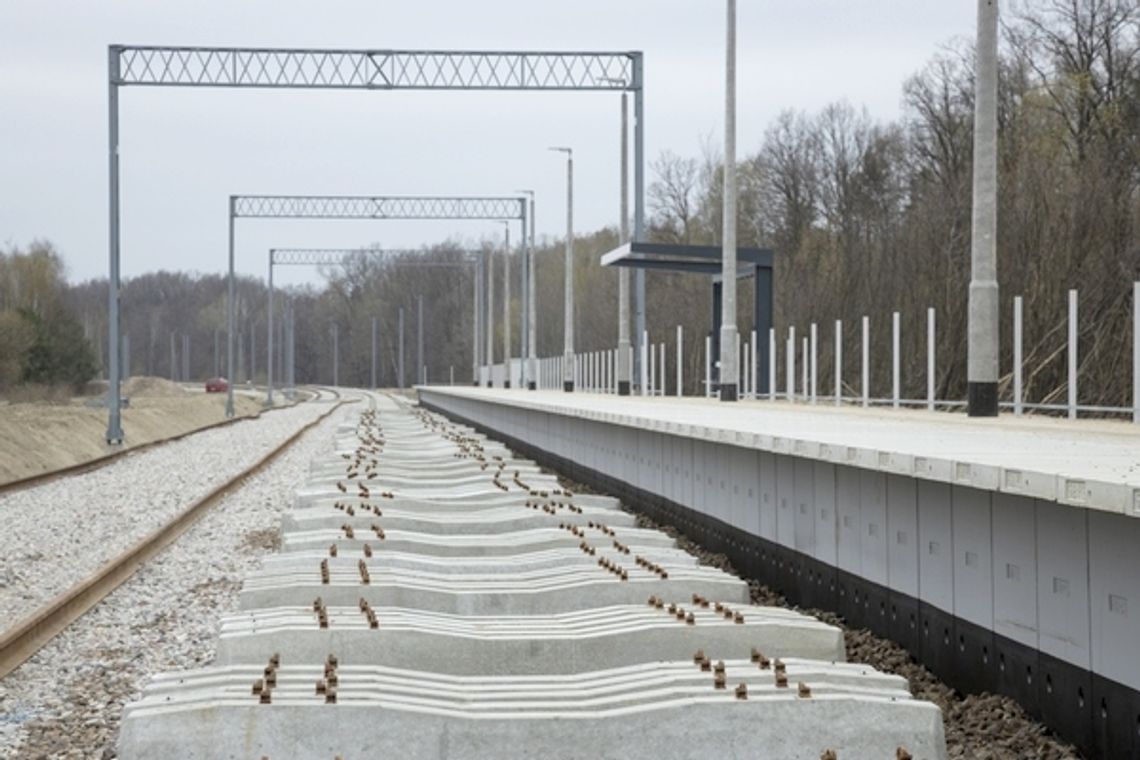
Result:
437,597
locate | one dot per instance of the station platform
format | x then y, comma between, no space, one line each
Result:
1083,463
1001,553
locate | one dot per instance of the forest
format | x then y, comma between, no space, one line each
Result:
866,217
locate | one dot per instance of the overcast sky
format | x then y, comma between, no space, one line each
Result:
183,152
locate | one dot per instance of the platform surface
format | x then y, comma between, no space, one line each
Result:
1084,463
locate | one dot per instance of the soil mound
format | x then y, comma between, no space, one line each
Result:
152,387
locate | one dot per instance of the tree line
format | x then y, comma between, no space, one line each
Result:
866,217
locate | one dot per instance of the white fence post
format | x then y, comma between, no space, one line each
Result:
708,366
653,370
1017,359
755,364
791,362
895,360
680,363
1072,354
1136,352
814,359
866,357
804,368
662,374
645,369
930,349
772,354
838,361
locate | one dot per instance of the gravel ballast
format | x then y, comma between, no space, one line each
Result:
58,533
67,700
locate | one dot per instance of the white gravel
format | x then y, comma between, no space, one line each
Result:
58,533
67,700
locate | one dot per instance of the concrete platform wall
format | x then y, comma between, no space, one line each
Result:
992,591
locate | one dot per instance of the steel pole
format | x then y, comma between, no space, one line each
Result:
507,305
524,290
568,279
532,308
186,358
624,348
400,365
640,328
419,339
269,358
489,338
251,376
982,357
114,420
230,296
476,299
336,356
373,386
728,376
292,350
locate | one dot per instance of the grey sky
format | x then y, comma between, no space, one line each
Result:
184,152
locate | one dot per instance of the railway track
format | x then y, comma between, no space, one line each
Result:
435,596
31,633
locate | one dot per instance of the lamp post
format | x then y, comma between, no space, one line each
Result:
728,359
529,317
568,307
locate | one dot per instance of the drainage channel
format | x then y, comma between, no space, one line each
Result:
437,597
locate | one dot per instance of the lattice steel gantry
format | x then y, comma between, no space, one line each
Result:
318,68
339,207
355,70
333,256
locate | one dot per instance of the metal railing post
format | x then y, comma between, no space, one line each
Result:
838,361
895,360
866,361
1072,354
930,348
1018,403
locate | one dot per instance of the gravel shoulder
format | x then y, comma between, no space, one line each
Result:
57,533
40,437
67,700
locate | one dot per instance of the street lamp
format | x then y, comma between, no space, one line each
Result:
568,329
529,321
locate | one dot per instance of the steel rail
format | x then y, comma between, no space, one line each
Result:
34,632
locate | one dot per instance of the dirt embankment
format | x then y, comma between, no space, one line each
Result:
40,437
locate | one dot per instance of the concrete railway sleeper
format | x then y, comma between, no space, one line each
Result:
436,596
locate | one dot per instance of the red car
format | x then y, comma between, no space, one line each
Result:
217,385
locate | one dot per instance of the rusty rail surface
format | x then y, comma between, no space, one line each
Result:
31,634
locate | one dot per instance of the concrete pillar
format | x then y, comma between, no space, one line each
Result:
727,376
983,334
